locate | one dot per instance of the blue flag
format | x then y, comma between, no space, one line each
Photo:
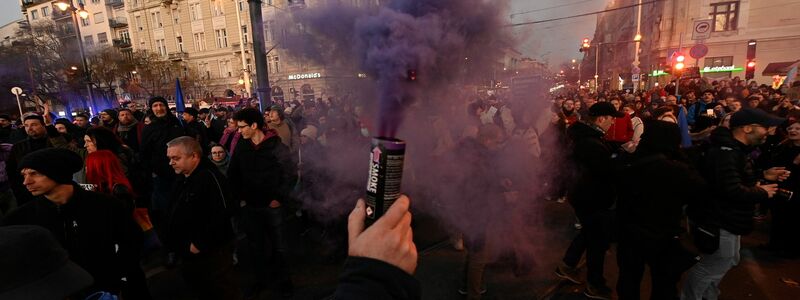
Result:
683,124
179,105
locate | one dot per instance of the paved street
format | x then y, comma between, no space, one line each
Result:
757,277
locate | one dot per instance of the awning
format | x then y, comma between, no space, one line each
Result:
779,68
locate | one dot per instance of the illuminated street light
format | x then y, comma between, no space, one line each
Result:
637,38
62,5
241,81
83,14
573,61
74,68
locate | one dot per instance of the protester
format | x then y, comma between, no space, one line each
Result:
735,188
195,128
129,129
96,230
785,207
38,138
262,174
6,128
199,228
219,156
650,211
108,118
592,196
36,267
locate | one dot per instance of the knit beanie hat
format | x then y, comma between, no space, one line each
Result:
56,163
157,99
111,112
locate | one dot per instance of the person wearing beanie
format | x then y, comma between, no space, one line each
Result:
95,229
163,128
108,118
5,128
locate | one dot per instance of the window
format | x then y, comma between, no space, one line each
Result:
194,11
224,68
244,34
85,22
199,41
274,64
222,38
156,17
216,8
125,36
45,11
269,31
176,16
162,47
34,15
88,40
102,38
95,1
139,23
725,15
179,41
248,65
241,5
98,18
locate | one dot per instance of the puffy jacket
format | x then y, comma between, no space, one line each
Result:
593,189
621,131
732,176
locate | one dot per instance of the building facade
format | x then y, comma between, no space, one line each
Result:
669,26
11,31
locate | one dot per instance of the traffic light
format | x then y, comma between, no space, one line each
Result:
584,45
750,68
677,63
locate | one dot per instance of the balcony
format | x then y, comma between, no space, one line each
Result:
66,32
178,56
27,3
57,14
121,43
115,3
118,22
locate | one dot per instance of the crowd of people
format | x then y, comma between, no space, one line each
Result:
651,170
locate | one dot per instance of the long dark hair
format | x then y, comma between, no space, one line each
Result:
104,139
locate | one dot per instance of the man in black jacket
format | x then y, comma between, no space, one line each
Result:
38,138
735,189
97,231
653,188
163,128
199,227
592,196
262,175
195,128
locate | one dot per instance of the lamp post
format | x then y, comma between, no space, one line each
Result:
638,40
76,12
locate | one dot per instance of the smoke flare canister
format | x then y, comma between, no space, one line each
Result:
385,173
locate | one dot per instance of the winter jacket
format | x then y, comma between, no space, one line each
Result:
262,173
621,131
732,177
593,188
95,229
200,212
153,149
367,279
18,151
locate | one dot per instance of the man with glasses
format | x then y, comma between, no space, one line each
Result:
736,189
262,175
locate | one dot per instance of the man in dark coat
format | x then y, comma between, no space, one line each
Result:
199,228
38,138
97,231
5,128
735,189
262,174
592,197
195,128
129,129
163,128
654,186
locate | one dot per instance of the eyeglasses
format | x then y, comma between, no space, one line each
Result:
242,126
217,153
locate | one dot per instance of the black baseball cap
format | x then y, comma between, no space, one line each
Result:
605,109
749,116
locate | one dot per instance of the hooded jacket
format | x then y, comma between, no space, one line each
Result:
593,189
731,174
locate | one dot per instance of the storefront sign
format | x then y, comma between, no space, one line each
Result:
305,76
721,69
657,73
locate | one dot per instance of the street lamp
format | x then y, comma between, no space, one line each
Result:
637,38
65,5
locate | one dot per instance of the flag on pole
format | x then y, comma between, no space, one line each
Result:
683,124
791,75
179,105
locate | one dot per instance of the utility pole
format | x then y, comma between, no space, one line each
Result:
262,78
245,70
638,39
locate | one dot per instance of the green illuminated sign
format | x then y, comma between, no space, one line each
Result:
657,73
721,69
